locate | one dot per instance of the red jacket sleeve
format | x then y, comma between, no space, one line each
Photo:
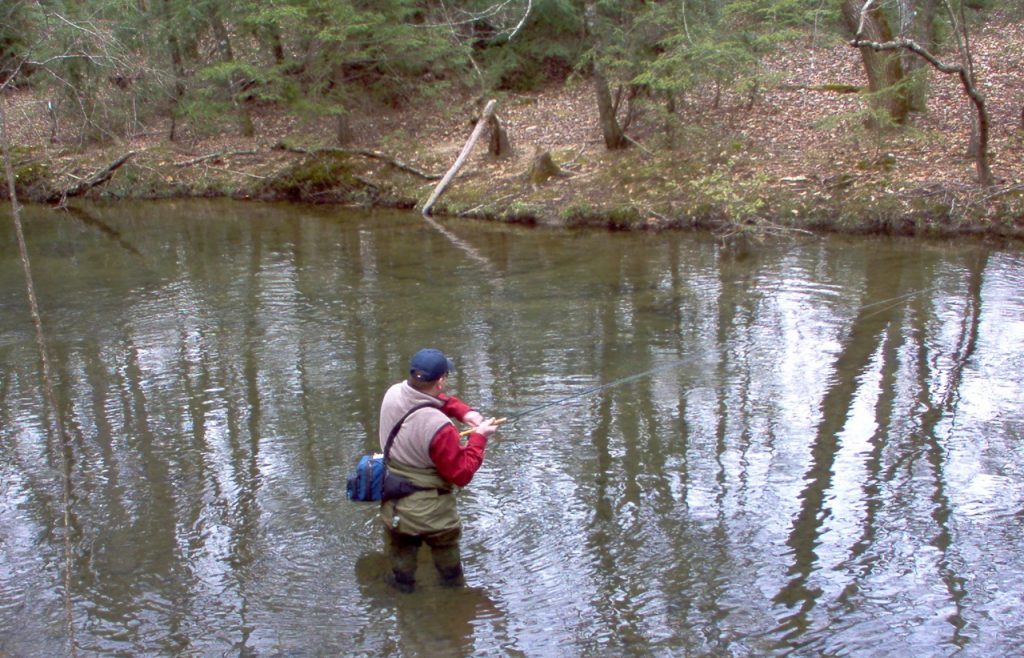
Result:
453,407
457,463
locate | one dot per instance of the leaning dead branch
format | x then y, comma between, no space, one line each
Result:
485,117
86,184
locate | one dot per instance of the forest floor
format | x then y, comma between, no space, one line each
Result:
797,157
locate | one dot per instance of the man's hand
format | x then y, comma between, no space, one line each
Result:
473,418
487,427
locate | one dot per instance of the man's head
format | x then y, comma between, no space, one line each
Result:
428,366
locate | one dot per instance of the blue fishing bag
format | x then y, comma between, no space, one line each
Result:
370,481
366,482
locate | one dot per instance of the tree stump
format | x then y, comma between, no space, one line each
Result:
499,146
542,169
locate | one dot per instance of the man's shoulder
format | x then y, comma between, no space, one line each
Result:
398,391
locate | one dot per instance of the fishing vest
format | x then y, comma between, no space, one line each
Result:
411,446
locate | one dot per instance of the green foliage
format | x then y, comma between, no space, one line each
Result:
520,212
576,214
545,47
32,179
723,195
726,47
204,114
768,18
618,218
314,175
17,24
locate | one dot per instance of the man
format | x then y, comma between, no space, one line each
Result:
428,452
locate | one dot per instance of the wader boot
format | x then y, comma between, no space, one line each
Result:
444,549
402,550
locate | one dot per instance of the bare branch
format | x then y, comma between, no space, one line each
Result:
522,21
213,156
455,36
490,12
397,164
77,26
966,75
864,16
98,178
911,45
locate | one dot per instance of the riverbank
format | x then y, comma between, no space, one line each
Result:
795,157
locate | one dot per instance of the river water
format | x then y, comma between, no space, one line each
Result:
806,448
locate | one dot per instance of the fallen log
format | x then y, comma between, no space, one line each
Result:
485,117
213,156
86,184
397,164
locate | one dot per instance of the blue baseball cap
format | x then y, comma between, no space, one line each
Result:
429,365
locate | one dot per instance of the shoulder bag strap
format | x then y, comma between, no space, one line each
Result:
398,425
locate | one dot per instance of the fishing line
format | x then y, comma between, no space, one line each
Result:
585,392
594,389
890,303
898,298
893,302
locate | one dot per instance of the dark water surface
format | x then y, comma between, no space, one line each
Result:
825,456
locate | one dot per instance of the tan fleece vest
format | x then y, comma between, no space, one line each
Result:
412,443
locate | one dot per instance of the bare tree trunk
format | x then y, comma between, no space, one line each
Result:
235,86
343,129
884,69
614,137
277,44
670,123
980,129
929,22
343,133
913,24
177,66
179,83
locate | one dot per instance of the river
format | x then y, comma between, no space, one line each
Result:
805,447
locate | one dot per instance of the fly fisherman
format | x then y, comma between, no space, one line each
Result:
428,452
